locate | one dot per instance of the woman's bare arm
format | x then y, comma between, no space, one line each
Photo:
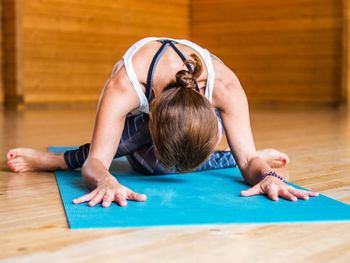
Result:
232,103
233,106
117,99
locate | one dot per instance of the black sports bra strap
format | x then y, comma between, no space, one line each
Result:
182,56
166,42
149,85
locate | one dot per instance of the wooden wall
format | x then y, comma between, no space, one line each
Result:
285,51
12,51
1,58
282,51
70,46
346,53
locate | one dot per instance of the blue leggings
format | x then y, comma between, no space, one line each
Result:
136,144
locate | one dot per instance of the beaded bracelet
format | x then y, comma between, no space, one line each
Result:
272,174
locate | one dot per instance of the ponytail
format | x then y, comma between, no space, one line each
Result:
184,124
188,78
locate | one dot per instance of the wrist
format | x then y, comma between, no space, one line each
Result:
271,173
93,177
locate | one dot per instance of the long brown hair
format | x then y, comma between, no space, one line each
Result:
183,124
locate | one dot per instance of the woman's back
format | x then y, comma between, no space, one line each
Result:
139,57
169,64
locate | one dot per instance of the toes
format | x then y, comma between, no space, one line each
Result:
277,164
10,155
15,161
282,157
274,157
285,159
12,164
13,153
19,169
13,167
280,161
16,164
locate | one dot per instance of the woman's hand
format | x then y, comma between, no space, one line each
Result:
274,188
110,190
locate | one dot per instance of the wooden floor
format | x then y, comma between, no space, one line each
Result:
33,224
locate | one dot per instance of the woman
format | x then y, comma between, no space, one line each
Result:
185,99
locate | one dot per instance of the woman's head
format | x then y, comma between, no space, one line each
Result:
184,124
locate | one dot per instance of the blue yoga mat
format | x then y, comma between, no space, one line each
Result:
210,197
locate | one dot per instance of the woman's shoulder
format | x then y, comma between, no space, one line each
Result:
224,74
226,84
120,82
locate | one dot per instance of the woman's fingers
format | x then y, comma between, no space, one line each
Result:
272,193
255,190
276,189
301,194
284,193
121,199
136,196
107,200
97,198
310,193
84,198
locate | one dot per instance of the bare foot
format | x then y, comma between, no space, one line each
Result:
274,158
28,160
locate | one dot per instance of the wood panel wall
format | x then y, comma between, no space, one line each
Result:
12,52
346,53
1,58
282,51
70,46
285,51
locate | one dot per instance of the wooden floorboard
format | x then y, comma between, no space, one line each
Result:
33,226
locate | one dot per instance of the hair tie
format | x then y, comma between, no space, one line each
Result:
185,79
188,78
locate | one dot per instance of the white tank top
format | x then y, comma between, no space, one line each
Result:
127,62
